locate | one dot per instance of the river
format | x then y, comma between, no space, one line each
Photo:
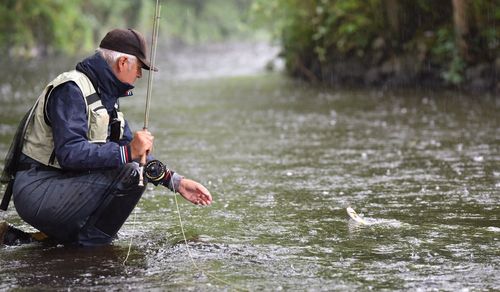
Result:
284,160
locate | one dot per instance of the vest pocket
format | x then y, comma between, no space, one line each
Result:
98,125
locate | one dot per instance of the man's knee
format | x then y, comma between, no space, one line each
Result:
128,178
104,224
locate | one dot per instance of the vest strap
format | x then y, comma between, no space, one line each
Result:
45,101
92,98
12,158
115,127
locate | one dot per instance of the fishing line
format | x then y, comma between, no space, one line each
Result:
131,237
191,256
143,158
154,42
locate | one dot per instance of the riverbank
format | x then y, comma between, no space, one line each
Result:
406,71
390,44
376,71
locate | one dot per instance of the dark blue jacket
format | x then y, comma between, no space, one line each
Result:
67,114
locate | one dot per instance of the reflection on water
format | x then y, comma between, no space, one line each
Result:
56,267
283,161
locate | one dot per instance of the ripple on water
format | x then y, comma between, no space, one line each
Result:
284,161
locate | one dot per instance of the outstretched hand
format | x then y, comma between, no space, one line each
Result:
194,192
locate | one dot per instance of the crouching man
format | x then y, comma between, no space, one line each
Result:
72,168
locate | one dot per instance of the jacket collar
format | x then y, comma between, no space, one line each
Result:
108,86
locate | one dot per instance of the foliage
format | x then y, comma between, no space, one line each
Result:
317,34
198,21
102,16
27,25
51,26
30,27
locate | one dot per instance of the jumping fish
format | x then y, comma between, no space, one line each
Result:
354,216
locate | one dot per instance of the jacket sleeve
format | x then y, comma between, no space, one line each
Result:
67,114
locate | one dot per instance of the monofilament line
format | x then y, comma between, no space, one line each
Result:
131,237
191,256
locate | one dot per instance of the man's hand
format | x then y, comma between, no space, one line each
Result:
194,192
141,144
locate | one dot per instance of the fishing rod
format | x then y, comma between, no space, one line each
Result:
154,42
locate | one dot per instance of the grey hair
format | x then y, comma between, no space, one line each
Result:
112,57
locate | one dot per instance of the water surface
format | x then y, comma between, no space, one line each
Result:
283,160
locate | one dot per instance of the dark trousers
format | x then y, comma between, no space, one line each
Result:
78,207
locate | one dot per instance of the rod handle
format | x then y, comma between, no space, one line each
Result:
141,170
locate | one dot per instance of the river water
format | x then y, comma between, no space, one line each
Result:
283,161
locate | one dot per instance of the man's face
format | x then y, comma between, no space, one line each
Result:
128,70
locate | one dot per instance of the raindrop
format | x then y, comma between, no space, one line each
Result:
478,158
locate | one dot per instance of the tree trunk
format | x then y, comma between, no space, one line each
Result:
463,27
392,10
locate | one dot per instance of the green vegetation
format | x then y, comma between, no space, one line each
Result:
387,41
30,28
26,25
199,21
373,42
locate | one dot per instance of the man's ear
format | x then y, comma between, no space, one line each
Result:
121,63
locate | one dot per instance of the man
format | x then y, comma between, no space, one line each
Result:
77,177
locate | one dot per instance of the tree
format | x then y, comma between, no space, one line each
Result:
463,24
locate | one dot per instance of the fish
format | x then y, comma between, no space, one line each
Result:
354,216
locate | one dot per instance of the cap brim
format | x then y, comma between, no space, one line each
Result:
146,65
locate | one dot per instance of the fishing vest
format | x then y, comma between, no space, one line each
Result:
38,140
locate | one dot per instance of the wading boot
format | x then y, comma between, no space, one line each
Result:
9,235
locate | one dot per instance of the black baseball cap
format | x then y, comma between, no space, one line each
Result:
128,41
